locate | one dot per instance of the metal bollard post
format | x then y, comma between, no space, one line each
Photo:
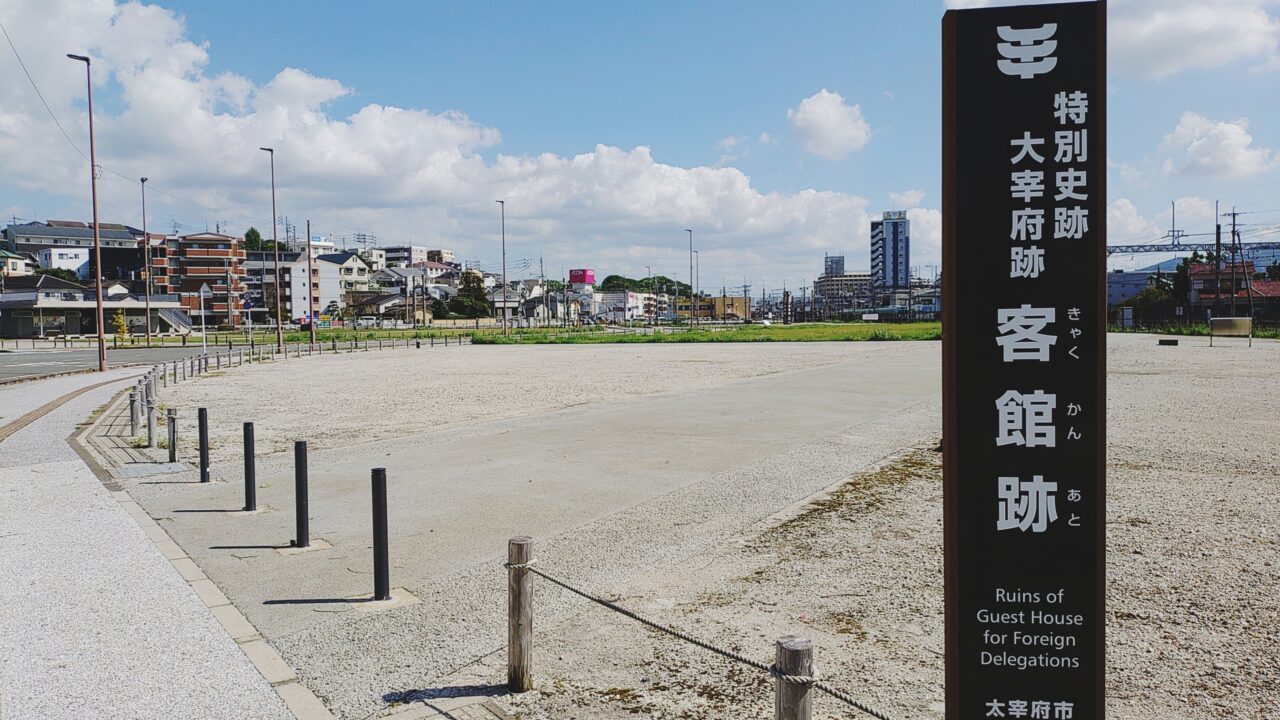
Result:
172,417
381,563
335,344
184,368
250,471
417,344
164,376
150,410
202,418
519,615
133,413
239,357
791,700
300,494
205,369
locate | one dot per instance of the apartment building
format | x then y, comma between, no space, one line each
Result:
194,261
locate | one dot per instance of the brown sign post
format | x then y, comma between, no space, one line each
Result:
1024,340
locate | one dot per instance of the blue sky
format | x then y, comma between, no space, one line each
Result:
776,131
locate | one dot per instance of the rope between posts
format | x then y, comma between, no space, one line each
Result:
770,669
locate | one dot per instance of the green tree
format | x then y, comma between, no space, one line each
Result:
120,325
1181,292
60,273
1273,271
472,299
252,239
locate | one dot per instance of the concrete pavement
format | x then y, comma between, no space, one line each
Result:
94,621
22,364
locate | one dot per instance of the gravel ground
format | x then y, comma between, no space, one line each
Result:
94,621
363,397
1193,574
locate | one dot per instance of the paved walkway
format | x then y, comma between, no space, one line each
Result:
94,621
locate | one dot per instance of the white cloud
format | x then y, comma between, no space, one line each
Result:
926,235
402,173
1160,38
732,149
828,127
1125,225
766,139
906,199
1200,146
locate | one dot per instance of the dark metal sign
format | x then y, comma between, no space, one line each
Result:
1024,311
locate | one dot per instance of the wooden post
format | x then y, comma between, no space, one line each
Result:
519,616
793,701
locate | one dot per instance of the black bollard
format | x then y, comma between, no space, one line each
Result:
203,417
417,344
172,417
381,565
300,493
250,471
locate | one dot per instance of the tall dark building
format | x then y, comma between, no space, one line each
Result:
833,265
891,252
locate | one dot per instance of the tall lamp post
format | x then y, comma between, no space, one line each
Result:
690,276
653,296
275,242
503,205
697,275
311,314
146,256
97,242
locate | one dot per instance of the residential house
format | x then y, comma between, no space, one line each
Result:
13,264
44,305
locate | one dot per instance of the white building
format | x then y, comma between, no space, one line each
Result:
405,255
70,258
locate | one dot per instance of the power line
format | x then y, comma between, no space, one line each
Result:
38,93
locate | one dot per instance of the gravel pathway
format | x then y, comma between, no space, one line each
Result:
94,621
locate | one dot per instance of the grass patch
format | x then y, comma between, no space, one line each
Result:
808,332
1193,330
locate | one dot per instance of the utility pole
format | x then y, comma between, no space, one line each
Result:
275,242
1217,263
503,205
311,302
146,257
690,276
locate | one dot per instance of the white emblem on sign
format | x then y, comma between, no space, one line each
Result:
1027,51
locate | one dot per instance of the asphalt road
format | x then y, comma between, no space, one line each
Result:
30,364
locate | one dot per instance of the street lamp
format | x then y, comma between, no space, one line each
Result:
146,256
690,276
275,242
503,205
697,274
653,297
97,242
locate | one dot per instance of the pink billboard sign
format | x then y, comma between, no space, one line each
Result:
582,277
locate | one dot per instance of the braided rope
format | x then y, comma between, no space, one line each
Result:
811,681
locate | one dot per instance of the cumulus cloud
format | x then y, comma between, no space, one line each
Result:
827,126
1160,38
906,199
1200,146
1126,225
406,174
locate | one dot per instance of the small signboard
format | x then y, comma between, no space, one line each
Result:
870,317
1024,322
206,291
